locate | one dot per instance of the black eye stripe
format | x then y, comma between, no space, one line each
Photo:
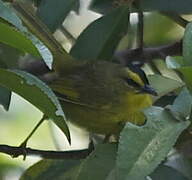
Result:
131,82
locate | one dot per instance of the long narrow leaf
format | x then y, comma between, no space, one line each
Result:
100,39
37,93
141,149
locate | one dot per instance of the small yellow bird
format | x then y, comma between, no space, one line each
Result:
101,96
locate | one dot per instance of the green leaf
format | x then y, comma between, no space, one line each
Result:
176,6
61,8
185,71
102,6
50,169
184,165
70,174
141,149
5,94
9,15
14,38
9,57
168,86
99,164
37,93
187,74
187,49
100,39
5,97
112,175
174,62
181,108
167,173
164,101
27,14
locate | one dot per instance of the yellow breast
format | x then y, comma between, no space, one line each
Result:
135,104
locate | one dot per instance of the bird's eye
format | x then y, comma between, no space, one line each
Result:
132,83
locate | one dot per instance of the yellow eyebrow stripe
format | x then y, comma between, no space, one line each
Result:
135,77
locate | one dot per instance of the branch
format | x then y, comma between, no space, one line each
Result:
125,57
18,151
148,54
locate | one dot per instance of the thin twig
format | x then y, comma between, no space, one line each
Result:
148,54
126,56
18,151
24,143
140,28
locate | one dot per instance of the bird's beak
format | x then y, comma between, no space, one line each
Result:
149,90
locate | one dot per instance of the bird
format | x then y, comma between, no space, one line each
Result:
101,96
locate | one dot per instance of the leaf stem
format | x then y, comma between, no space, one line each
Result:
24,143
